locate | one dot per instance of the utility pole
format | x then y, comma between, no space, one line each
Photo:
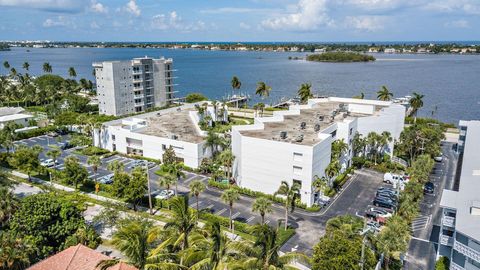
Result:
364,239
149,190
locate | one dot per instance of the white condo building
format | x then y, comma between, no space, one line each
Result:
132,86
150,134
459,237
295,145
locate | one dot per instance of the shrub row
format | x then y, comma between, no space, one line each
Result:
36,132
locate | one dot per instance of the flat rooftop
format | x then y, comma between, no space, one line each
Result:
164,123
467,198
319,114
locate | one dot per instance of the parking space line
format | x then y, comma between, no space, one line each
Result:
41,138
113,159
221,211
210,206
189,179
267,222
250,219
235,215
195,204
128,162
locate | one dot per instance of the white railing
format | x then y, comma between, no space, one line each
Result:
454,266
448,221
446,240
467,251
399,161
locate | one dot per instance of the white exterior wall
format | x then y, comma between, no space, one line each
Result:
21,121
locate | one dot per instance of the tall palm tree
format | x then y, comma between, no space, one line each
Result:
332,169
197,187
263,90
360,96
8,205
95,162
226,159
339,148
26,66
291,193
213,140
175,169
319,184
47,68
262,205
13,73
236,84
71,72
230,196
6,65
116,166
305,92
133,238
416,102
384,94
183,220
259,107
167,180
393,238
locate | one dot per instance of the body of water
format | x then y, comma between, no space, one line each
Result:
450,83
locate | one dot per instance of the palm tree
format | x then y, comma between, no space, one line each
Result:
197,187
263,90
6,65
384,94
26,66
13,73
15,252
175,169
291,193
47,68
8,205
259,107
351,225
54,154
339,148
305,92
133,238
183,220
393,238
226,159
416,102
262,205
332,169
213,141
319,184
361,96
230,196
236,84
167,180
95,162
116,166
71,72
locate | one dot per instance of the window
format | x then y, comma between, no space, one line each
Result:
298,157
297,170
334,134
351,131
164,147
113,137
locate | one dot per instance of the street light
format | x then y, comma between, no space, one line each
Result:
364,234
149,190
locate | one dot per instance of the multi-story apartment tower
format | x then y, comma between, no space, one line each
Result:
132,86
459,238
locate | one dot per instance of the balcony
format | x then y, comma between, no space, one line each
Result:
137,72
467,251
454,266
446,240
138,96
448,221
139,80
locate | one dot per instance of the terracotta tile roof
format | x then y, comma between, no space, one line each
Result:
77,257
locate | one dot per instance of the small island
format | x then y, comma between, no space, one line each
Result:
340,57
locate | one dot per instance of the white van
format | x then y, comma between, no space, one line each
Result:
391,178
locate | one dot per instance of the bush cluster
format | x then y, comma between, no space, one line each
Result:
340,57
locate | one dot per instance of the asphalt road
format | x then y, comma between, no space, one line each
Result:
353,199
422,250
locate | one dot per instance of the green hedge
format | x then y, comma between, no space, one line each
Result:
35,132
442,264
256,194
93,151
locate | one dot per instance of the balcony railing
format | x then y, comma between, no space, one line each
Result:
448,221
467,251
138,96
446,240
454,266
138,80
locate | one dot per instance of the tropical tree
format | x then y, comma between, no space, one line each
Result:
393,238
360,96
26,159
168,156
95,162
54,154
183,220
319,184
332,169
416,102
214,141
236,84
26,66
116,166
262,205
167,180
263,90
137,187
74,173
259,107
384,94
133,237
47,68
15,251
13,73
290,193
305,92
175,169
6,65
226,158
230,196
71,72
349,224
8,205
197,187
339,148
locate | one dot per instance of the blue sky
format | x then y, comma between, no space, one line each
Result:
239,20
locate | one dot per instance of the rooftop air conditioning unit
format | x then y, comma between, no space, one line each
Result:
299,138
316,128
283,135
173,136
303,125
321,118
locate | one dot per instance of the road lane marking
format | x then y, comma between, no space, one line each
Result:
235,215
210,206
250,219
195,204
221,212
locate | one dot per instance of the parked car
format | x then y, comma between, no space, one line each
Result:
439,158
384,202
107,179
374,212
52,134
429,188
137,163
165,194
391,178
374,226
48,163
388,193
392,198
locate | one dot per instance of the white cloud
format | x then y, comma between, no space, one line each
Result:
365,23
382,4
457,24
173,21
471,7
245,26
305,15
48,5
94,25
224,10
98,7
132,8
58,21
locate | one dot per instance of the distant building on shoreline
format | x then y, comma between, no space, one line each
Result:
132,86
